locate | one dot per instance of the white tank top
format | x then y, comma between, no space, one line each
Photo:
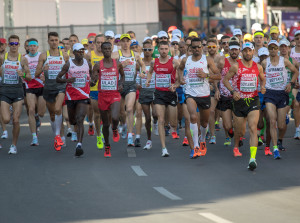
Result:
196,86
32,63
276,76
129,70
10,76
295,55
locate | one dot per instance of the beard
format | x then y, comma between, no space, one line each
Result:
247,58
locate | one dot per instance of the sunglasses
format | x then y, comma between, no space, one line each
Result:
196,47
204,44
265,42
61,47
108,37
224,43
147,49
174,44
163,38
14,43
90,42
273,48
117,40
297,38
212,47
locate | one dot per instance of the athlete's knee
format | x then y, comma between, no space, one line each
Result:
31,111
193,118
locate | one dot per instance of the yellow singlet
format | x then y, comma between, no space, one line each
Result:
95,59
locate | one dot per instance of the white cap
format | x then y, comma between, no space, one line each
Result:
110,34
248,45
117,36
284,42
256,27
234,47
219,36
263,51
147,38
154,36
273,42
237,32
161,34
175,39
77,46
297,33
176,32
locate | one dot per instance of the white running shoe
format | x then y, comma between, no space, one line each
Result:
148,145
120,128
4,135
155,129
12,150
74,137
164,152
64,141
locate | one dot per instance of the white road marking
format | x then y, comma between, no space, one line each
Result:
214,218
46,124
167,193
131,152
138,170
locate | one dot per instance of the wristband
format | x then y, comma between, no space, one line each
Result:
231,92
292,84
24,75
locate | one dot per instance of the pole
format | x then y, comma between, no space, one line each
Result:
201,14
248,18
207,14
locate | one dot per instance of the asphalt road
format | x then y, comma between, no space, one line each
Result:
42,185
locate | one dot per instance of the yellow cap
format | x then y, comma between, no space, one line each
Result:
274,29
248,37
193,34
84,41
125,36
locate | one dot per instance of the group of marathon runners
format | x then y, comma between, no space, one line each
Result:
112,80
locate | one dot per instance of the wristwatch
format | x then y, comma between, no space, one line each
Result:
292,84
231,92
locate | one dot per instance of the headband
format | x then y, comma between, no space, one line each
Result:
33,43
259,34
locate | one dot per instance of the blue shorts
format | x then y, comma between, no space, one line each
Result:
298,97
94,95
279,98
261,100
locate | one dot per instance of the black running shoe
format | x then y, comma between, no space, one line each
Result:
79,151
280,146
137,142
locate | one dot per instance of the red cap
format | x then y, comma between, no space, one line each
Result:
2,40
171,28
91,34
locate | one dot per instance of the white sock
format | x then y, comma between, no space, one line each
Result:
129,135
203,133
91,124
33,134
58,121
194,128
138,136
52,126
79,144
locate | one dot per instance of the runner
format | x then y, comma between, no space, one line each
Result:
34,91
14,67
129,59
3,45
51,63
107,71
110,37
276,97
67,45
165,97
225,46
258,38
274,33
245,98
197,93
77,72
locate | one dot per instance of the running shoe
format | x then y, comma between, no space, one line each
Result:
260,142
217,126
12,150
35,141
74,137
268,151
236,152
241,143
203,149
4,135
91,130
227,142
252,164
280,146
64,141
124,132
120,129
99,142
287,119
276,154
107,152
164,152
192,154
69,132
296,136
197,152
231,133
148,145
155,129
58,143
130,141
116,136
212,140
78,151
37,122
185,142
175,135
207,135
137,142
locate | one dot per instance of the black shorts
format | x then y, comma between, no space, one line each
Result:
298,96
224,103
146,99
36,91
50,95
73,103
127,89
11,98
202,102
244,106
279,98
165,98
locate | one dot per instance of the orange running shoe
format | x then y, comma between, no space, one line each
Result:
203,148
116,136
268,151
185,142
197,152
91,130
58,143
107,152
174,135
236,152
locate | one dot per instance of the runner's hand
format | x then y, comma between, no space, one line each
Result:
182,82
236,96
147,83
46,67
125,63
202,74
172,88
217,95
263,90
71,80
288,88
20,73
120,88
297,86
138,87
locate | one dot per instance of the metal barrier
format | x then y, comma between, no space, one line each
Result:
40,32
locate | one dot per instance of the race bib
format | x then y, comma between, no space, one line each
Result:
163,80
109,83
11,78
276,80
79,82
248,84
52,74
194,81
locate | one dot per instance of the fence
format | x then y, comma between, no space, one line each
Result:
141,29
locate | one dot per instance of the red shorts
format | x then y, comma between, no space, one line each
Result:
105,100
137,94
